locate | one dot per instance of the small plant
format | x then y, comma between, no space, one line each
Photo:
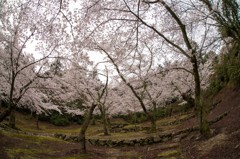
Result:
80,121
59,120
93,121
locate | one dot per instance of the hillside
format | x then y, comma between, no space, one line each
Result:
176,142
108,79
224,142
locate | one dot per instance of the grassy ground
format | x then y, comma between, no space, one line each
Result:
28,124
224,142
22,146
15,145
39,143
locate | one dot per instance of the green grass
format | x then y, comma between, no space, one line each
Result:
32,146
77,157
122,136
168,120
35,139
28,124
169,153
28,153
29,147
22,153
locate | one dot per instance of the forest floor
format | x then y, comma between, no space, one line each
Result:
31,143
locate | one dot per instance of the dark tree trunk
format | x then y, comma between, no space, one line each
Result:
154,110
37,123
12,123
104,120
82,134
11,106
153,125
204,126
150,116
105,126
4,114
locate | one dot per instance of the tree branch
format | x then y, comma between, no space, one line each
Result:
156,31
24,67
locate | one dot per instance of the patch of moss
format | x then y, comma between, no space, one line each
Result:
131,126
165,121
171,158
28,153
122,136
112,152
169,153
82,156
94,130
21,153
130,154
52,130
32,138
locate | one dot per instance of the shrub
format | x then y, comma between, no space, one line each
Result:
93,121
59,120
80,121
227,72
162,112
43,117
139,117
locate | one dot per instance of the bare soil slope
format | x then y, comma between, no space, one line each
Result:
225,141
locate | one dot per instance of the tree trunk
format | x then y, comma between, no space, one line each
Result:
204,126
105,126
104,120
12,120
82,138
150,116
37,123
153,125
4,114
12,123
7,112
170,111
10,104
155,110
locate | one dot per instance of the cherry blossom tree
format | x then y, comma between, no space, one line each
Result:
172,27
136,36
94,92
138,94
18,31
79,82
